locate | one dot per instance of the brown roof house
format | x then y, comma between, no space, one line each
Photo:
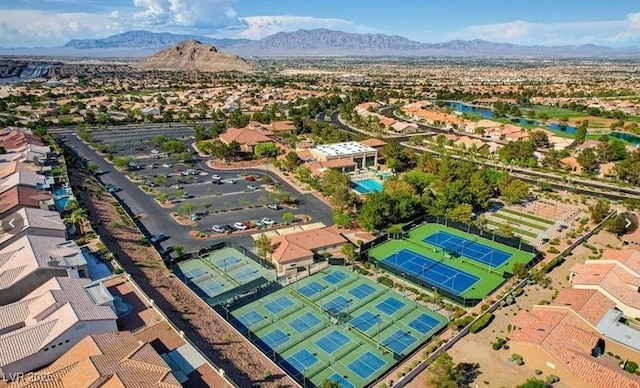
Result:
282,127
105,360
295,251
247,138
24,196
45,324
29,221
32,260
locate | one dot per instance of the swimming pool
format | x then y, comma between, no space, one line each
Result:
61,191
366,186
61,203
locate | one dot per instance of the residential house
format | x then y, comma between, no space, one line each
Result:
387,121
608,170
16,139
24,196
25,178
374,143
30,221
295,251
404,127
570,163
360,154
45,324
560,143
32,260
247,138
280,127
616,275
104,360
8,168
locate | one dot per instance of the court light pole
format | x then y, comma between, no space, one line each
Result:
378,336
403,278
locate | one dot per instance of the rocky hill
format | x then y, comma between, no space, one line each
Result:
194,55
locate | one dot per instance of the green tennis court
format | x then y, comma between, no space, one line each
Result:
336,325
461,266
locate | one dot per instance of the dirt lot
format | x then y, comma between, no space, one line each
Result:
230,351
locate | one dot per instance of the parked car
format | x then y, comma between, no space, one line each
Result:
249,224
187,195
215,182
250,178
176,186
228,228
156,238
167,250
151,166
239,226
150,184
113,189
252,187
231,181
201,213
268,221
273,206
167,165
216,177
194,217
218,229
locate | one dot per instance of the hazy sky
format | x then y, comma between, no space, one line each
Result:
26,23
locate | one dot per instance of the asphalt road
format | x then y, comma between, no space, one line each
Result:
222,197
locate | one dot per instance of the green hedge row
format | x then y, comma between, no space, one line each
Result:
481,323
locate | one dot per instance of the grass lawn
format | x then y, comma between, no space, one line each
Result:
552,111
516,230
527,215
520,222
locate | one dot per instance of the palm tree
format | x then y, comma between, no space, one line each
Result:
79,218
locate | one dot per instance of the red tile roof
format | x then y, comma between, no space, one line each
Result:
22,195
296,246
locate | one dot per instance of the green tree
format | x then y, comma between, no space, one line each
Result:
187,208
540,139
533,383
505,230
122,162
581,132
520,270
617,225
349,252
599,210
342,219
292,161
266,149
287,217
588,159
264,247
513,190
395,156
519,152
461,213
330,384
443,372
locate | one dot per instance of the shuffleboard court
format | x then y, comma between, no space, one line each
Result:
432,271
311,289
278,305
366,365
468,248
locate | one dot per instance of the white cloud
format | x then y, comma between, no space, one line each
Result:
260,26
47,28
626,31
199,14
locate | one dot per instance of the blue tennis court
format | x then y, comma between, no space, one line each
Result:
342,382
250,318
332,341
399,341
304,322
366,365
302,360
362,291
275,338
390,306
335,277
309,290
365,321
468,248
431,271
423,323
278,305
337,305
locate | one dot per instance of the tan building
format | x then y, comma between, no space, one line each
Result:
105,360
363,156
45,324
30,221
32,260
295,251
562,339
282,127
247,138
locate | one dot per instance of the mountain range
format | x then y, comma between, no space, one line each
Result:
319,42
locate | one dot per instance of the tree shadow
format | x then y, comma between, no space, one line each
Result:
468,373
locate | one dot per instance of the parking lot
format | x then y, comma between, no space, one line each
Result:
236,196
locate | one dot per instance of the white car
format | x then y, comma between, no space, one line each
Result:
239,226
268,221
155,152
216,177
167,165
218,229
228,181
176,186
151,166
252,187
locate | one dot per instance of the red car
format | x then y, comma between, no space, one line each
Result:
250,178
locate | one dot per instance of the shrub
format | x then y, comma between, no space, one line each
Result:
515,357
553,250
538,372
484,307
552,379
266,375
385,281
631,367
117,271
481,323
